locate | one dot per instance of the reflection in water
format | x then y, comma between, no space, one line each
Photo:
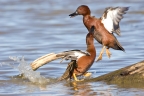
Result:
82,89
86,89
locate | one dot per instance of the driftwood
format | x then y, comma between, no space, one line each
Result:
43,60
129,77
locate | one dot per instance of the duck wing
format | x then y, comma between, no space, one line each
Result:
111,18
69,71
73,54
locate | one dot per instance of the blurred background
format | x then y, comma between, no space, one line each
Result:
33,28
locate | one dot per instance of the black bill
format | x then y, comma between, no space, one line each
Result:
73,14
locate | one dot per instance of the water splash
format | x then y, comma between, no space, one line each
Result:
26,70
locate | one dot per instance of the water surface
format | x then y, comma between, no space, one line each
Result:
33,28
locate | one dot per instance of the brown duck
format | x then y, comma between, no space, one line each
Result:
104,26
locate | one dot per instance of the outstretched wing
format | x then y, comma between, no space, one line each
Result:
111,18
73,54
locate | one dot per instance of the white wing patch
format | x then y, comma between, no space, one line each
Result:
111,18
108,23
78,54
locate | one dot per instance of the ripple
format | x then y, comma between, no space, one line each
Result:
32,28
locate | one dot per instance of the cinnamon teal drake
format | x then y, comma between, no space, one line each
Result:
81,61
104,26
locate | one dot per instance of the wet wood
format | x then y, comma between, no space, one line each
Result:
129,77
43,60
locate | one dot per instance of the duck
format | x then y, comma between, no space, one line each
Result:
105,26
81,61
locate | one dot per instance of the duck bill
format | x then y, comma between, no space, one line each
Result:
73,14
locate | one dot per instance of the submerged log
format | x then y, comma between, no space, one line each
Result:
129,77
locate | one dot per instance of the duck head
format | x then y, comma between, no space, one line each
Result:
81,10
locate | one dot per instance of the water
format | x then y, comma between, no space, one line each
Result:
33,28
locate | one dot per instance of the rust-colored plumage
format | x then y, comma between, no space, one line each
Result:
102,33
80,65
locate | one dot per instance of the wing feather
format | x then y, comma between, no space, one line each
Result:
73,54
112,17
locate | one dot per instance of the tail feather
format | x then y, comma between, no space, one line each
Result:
119,46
